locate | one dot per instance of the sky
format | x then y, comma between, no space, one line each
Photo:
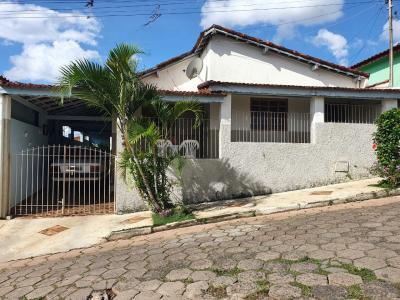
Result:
37,37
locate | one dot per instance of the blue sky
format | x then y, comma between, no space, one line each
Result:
36,37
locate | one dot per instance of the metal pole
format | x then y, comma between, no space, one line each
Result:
391,73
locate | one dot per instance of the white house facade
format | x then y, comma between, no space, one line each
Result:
274,120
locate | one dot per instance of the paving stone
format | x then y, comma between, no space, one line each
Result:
371,263
269,255
250,264
329,292
80,294
179,274
344,279
312,279
389,273
335,270
249,276
122,285
148,296
321,254
382,253
380,290
221,281
113,273
126,295
175,288
19,292
201,264
303,267
150,285
241,289
203,275
196,289
351,254
279,278
394,262
284,291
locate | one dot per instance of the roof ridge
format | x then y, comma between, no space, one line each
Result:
267,43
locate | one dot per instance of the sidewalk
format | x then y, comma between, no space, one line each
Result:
23,238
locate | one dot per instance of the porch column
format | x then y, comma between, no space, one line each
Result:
127,199
5,170
225,119
388,104
317,111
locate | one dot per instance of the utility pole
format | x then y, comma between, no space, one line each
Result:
391,79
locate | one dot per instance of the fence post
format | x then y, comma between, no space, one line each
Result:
225,125
317,111
5,155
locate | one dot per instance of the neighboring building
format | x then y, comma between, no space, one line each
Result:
274,120
378,68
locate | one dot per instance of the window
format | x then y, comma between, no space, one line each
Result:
24,114
268,114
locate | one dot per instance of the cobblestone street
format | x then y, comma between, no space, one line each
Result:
350,251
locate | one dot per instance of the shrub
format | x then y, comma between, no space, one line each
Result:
386,146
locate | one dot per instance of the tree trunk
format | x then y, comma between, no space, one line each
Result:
145,181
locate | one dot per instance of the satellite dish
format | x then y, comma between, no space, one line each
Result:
194,68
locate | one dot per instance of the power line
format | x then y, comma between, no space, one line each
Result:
354,57
114,13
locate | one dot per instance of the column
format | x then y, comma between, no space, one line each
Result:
5,157
127,199
388,104
317,111
225,119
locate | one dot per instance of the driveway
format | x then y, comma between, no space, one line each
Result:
339,252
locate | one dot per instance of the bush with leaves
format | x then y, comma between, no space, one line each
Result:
116,90
386,146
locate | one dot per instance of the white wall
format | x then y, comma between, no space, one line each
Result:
225,59
259,168
239,62
25,136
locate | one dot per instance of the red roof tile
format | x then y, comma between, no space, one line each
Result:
203,93
375,57
210,83
15,84
200,45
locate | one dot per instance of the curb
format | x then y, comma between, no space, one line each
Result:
132,232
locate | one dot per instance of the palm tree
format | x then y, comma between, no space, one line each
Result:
115,90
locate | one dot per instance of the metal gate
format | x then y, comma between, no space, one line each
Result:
62,180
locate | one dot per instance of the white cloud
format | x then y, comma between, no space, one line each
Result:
286,15
47,43
336,44
396,31
43,61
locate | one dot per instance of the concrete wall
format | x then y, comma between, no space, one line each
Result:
259,168
25,136
225,59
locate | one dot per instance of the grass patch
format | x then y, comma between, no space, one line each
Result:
305,289
188,281
385,184
262,290
301,260
217,292
355,292
365,274
176,216
230,272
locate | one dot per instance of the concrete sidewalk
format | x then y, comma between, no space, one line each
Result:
23,237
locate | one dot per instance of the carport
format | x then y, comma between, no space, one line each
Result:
58,159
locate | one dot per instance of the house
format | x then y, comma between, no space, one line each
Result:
274,120
378,68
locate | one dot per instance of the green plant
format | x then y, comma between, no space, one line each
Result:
386,145
177,214
355,292
365,274
305,289
116,90
230,272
